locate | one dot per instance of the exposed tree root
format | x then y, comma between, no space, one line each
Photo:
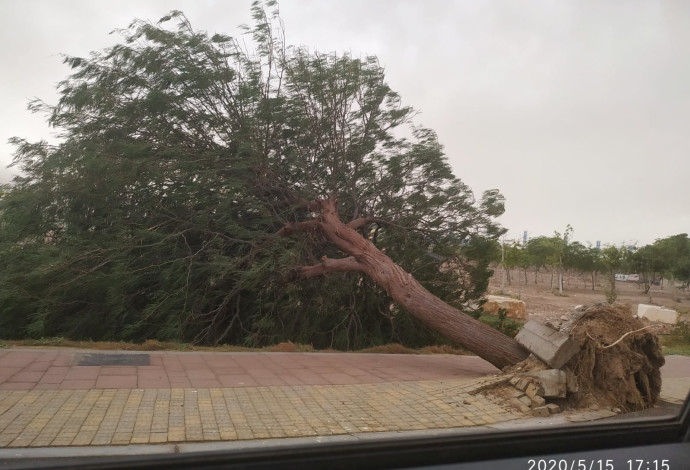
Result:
619,361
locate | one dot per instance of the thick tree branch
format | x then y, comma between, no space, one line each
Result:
328,265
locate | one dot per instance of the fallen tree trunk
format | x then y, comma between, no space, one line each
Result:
489,344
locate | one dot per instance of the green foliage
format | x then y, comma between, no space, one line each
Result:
679,340
648,262
672,257
539,251
182,155
683,330
580,258
500,322
613,260
52,341
515,256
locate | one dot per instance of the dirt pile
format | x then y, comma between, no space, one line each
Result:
619,361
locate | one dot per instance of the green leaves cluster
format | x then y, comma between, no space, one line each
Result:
182,155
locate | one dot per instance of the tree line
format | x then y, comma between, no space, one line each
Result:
667,258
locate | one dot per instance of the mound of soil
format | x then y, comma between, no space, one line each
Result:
619,361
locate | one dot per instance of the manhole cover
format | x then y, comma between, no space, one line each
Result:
114,360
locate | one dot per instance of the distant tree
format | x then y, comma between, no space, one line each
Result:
539,250
516,256
594,263
673,255
203,192
648,263
613,259
582,259
560,244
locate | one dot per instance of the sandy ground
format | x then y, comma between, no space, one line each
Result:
544,302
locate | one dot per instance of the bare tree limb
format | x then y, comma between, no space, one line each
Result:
298,227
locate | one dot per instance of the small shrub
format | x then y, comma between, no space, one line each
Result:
152,345
289,346
443,349
501,323
52,341
611,294
390,348
682,329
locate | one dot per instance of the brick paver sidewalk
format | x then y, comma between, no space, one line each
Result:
29,369
47,399
65,398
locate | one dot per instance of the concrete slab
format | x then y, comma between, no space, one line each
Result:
657,314
552,382
547,344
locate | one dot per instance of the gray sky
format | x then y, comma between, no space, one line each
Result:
577,111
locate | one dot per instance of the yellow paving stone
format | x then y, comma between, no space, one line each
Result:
83,438
176,434
7,438
41,442
111,416
228,435
62,440
140,439
158,437
102,439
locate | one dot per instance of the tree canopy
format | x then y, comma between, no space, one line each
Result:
182,157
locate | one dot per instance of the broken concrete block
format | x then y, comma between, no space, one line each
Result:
519,405
571,384
541,411
513,381
515,393
547,344
553,408
525,400
514,308
657,314
522,384
552,381
534,390
538,401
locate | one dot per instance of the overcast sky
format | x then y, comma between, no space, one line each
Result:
577,111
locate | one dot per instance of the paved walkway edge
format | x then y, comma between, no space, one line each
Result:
153,449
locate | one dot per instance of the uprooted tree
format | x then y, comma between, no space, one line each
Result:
185,163
400,285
